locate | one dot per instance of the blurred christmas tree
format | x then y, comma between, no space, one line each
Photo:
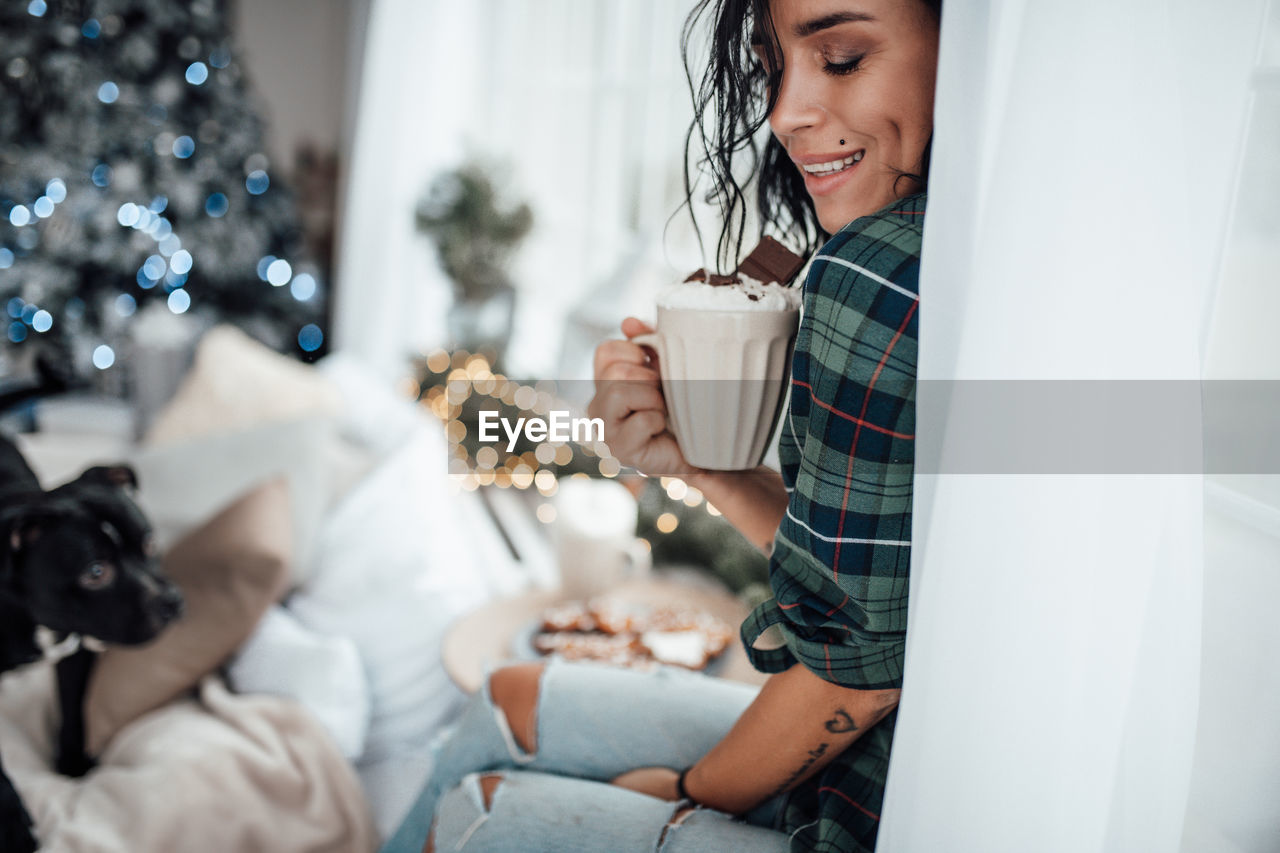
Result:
131,171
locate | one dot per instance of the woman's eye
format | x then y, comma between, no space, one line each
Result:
97,576
843,66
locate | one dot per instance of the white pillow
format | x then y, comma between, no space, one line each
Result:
182,485
322,673
373,413
394,566
237,382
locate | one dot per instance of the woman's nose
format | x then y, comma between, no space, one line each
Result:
797,106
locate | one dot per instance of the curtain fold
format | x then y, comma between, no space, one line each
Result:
1083,160
580,107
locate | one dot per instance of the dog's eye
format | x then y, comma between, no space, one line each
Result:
98,575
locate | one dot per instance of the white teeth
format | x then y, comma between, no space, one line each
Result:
834,165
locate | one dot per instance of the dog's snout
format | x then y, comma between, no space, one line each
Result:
168,605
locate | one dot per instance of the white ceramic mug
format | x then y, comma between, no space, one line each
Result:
724,377
595,533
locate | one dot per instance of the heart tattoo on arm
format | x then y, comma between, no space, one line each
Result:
841,723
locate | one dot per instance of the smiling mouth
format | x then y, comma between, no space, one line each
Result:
833,166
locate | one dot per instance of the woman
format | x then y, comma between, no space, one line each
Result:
587,758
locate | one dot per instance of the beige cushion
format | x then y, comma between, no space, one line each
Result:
183,483
230,571
237,382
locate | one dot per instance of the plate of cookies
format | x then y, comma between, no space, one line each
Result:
627,633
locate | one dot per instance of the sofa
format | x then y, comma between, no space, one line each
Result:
324,550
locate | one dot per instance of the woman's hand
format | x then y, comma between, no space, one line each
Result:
629,401
657,782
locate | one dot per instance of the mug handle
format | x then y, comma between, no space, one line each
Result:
653,340
639,558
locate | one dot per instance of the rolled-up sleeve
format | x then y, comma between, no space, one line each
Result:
841,559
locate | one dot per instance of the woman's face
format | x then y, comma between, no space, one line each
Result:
856,104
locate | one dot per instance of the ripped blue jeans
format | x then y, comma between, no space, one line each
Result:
593,724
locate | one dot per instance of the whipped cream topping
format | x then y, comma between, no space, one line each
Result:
749,295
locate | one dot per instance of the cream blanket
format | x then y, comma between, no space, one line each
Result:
220,773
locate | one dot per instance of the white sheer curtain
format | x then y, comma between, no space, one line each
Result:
584,101
1085,157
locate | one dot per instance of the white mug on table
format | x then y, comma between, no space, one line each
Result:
595,535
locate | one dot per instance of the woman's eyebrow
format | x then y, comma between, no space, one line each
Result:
826,22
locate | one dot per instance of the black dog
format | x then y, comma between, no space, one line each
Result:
77,560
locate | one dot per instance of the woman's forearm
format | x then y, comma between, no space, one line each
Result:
753,501
797,724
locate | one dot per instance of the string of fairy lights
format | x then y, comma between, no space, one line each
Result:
451,380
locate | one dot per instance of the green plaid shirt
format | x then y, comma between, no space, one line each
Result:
842,557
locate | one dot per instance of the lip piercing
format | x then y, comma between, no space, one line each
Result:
842,142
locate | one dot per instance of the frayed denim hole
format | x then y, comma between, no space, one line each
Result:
518,755
475,795
499,779
679,815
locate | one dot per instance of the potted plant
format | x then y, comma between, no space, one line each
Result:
475,234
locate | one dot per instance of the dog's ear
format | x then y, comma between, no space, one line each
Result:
117,476
19,527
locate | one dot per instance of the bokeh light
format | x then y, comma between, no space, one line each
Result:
19,215
197,73
17,332
42,321
264,263
183,147
108,92
303,287
179,301
126,305
6,258
43,207
56,190
181,262
257,182
310,337
216,205
91,29
128,214
170,245
486,457
159,228
103,357
279,272
154,267
37,8
101,175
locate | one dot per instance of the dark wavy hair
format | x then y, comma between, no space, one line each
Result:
732,100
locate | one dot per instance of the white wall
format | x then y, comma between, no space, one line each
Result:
294,53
